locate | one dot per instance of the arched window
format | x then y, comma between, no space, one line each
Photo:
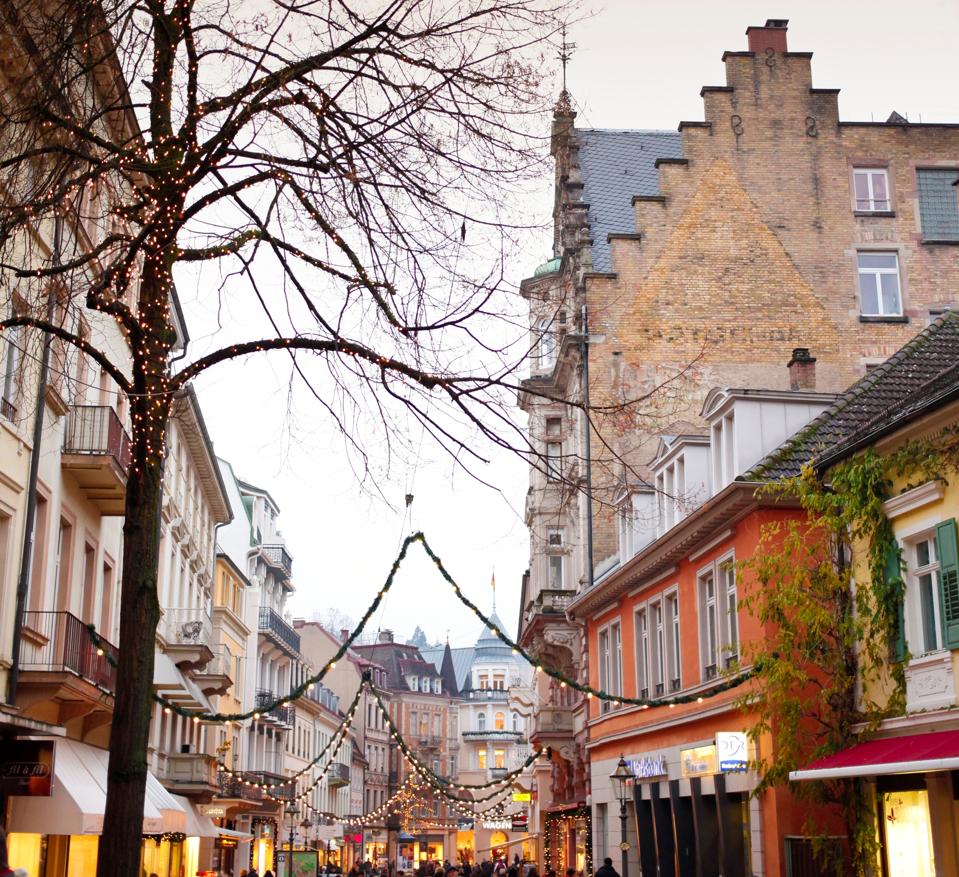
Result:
499,722
481,721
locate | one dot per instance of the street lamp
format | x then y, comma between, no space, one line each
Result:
292,812
622,780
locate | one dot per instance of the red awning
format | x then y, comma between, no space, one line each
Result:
913,753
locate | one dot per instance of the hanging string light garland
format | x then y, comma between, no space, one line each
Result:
564,680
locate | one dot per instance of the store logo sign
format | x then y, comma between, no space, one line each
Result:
497,824
647,768
732,750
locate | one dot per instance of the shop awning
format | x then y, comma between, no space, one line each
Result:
913,753
197,825
236,835
80,795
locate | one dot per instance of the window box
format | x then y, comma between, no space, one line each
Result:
868,319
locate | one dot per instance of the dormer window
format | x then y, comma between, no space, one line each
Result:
437,686
414,683
723,452
426,683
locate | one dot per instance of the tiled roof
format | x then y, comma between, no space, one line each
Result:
918,375
616,165
462,661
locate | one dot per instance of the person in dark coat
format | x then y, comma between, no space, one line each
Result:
607,869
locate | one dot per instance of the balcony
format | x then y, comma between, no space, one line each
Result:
191,773
186,636
338,775
217,676
234,788
430,742
280,715
493,736
262,777
8,410
492,695
96,451
278,559
553,726
497,773
274,627
63,675
552,601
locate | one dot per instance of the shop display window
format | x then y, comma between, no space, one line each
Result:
908,833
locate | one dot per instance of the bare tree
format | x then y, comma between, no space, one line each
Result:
341,165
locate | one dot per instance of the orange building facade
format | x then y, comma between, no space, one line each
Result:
666,625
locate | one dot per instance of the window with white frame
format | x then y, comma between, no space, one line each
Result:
556,559
708,614
642,652
675,662
924,627
545,343
11,368
718,617
871,186
610,662
880,292
414,683
554,460
730,614
481,722
659,649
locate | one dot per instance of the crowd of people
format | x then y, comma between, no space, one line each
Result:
465,868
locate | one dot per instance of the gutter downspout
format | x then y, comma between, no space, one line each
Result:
584,354
29,523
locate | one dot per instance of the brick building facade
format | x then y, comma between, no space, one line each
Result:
699,259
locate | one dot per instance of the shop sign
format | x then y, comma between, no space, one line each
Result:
497,824
524,797
214,811
26,768
464,825
649,767
520,823
732,750
698,761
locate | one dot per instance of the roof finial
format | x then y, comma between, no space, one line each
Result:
493,585
566,50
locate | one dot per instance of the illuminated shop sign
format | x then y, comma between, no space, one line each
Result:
649,767
497,824
522,796
732,750
698,761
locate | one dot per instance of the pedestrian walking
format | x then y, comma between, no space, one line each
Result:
607,869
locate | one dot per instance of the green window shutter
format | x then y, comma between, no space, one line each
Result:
893,577
948,581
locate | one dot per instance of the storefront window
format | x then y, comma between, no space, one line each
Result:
908,834
82,861
499,758
23,851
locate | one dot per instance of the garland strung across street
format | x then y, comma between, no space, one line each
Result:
300,690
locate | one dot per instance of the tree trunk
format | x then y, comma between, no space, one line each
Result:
120,843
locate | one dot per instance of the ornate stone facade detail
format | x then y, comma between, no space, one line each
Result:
930,682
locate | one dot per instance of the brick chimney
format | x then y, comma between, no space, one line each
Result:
802,370
772,35
344,634
386,636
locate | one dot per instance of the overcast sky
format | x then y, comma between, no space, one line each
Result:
637,64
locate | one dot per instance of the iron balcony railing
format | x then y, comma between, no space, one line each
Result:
338,775
287,791
277,557
232,786
59,641
7,409
96,430
272,623
282,714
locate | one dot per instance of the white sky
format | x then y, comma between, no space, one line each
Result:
638,64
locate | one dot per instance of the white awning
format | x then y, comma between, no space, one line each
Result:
237,835
79,797
197,825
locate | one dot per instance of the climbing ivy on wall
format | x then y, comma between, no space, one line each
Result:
830,666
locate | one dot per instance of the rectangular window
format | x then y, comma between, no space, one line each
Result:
938,203
710,632
499,758
554,460
642,653
555,560
675,646
872,190
554,427
659,650
482,759
879,288
727,575
11,371
610,662
923,561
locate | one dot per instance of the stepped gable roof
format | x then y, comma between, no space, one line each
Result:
615,166
918,377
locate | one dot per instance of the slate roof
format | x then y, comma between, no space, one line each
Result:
615,165
462,661
922,374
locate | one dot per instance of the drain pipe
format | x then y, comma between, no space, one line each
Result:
584,355
29,522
